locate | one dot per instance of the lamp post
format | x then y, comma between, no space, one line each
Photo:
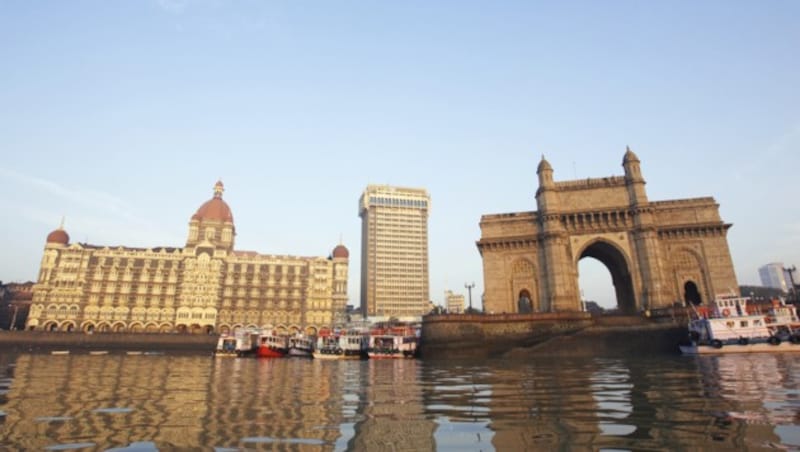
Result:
791,271
469,287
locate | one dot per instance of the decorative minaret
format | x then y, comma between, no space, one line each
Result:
545,195
559,291
633,178
645,237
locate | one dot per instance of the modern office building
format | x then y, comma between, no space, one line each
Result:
454,302
205,287
775,275
394,251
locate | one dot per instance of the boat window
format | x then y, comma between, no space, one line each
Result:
729,324
743,323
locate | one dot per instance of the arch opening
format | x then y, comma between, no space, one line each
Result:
593,281
691,294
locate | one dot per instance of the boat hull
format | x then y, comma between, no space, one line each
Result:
269,352
394,355
333,354
300,352
759,347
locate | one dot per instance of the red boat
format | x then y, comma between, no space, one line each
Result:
272,345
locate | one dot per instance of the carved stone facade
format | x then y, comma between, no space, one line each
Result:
657,252
204,287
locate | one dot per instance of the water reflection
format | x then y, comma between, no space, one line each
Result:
126,403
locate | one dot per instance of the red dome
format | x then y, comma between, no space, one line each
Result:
341,252
215,208
58,236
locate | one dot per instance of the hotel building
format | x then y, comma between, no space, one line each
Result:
394,251
204,287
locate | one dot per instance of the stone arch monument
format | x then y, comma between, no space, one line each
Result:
658,252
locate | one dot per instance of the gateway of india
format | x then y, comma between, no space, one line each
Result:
658,252
205,287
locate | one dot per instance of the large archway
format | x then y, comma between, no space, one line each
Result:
621,280
664,244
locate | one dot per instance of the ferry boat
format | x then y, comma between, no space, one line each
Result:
348,344
396,341
241,343
272,345
732,325
301,346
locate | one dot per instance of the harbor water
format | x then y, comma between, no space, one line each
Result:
162,402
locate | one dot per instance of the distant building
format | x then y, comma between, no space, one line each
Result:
454,302
15,302
774,275
204,287
394,251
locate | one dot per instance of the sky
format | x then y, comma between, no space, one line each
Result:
121,116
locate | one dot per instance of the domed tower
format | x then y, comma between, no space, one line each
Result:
633,178
546,196
341,262
212,224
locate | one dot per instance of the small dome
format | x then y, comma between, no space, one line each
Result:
341,252
215,208
629,156
59,236
544,165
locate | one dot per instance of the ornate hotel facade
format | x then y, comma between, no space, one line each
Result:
204,287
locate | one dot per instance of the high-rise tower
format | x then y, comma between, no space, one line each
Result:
394,251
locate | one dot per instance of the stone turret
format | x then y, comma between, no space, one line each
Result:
546,197
633,178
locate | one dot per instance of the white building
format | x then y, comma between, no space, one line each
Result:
775,275
394,251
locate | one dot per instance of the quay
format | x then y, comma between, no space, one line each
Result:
562,334
46,341
449,336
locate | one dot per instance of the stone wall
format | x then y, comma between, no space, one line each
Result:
47,340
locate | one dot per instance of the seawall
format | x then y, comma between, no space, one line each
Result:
519,336
34,341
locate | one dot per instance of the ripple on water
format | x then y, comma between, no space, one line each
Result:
49,419
268,440
138,446
70,446
113,410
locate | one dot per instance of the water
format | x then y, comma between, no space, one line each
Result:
168,402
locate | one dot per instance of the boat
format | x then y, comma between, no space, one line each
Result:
272,345
59,352
241,343
301,346
733,324
98,352
347,344
394,341
226,346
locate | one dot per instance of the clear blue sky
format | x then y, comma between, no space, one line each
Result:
122,115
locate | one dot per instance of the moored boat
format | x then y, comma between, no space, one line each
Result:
300,346
272,345
241,343
396,341
733,325
347,344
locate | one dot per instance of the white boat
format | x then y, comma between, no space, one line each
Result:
395,341
348,344
59,352
241,343
98,352
301,346
733,325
